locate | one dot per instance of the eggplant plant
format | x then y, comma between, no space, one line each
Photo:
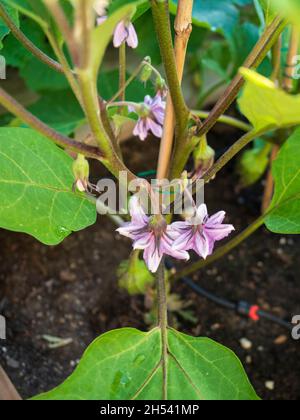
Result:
46,149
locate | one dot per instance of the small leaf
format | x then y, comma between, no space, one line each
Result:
253,163
36,188
126,365
266,106
284,214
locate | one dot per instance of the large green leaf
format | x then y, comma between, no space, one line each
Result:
126,365
36,188
284,216
265,105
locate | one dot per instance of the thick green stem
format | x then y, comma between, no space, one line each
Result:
257,55
161,17
18,110
163,322
221,252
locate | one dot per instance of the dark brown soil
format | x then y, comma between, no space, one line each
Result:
70,291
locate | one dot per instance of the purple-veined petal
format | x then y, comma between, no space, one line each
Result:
152,256
202,245
218,232
217,218
137,213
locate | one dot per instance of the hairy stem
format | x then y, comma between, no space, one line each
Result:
183,29
18,34
161,17
18,110
221,252
163,322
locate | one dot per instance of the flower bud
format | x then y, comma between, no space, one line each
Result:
134,276
161,87
81,171
146,71
204,157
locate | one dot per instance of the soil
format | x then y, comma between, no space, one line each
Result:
70,291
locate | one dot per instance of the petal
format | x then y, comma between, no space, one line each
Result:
184,242
120,34
101,20
167,244
202,213
202,245
137,213
218,232
141,130
132,39
217,218
155,128
152,256
144,241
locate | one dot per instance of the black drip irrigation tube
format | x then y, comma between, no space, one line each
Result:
241,308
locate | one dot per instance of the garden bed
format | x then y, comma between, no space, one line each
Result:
71,291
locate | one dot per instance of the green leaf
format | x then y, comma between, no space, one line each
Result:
266,106
268,9
126,365
36,188
253,163
284,214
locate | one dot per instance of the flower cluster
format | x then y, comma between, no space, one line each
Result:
157,238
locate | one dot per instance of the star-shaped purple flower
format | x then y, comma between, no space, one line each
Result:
151,234
201,232
151,117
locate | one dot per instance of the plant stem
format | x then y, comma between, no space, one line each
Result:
163,322
224,119
59,16
18,110
161,17
269,188
122,71
231,152
18,34
130,80
257,55
221,252
183,29
287,83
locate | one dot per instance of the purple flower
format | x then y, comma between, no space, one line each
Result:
152,234
152,114
125,32
201,232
